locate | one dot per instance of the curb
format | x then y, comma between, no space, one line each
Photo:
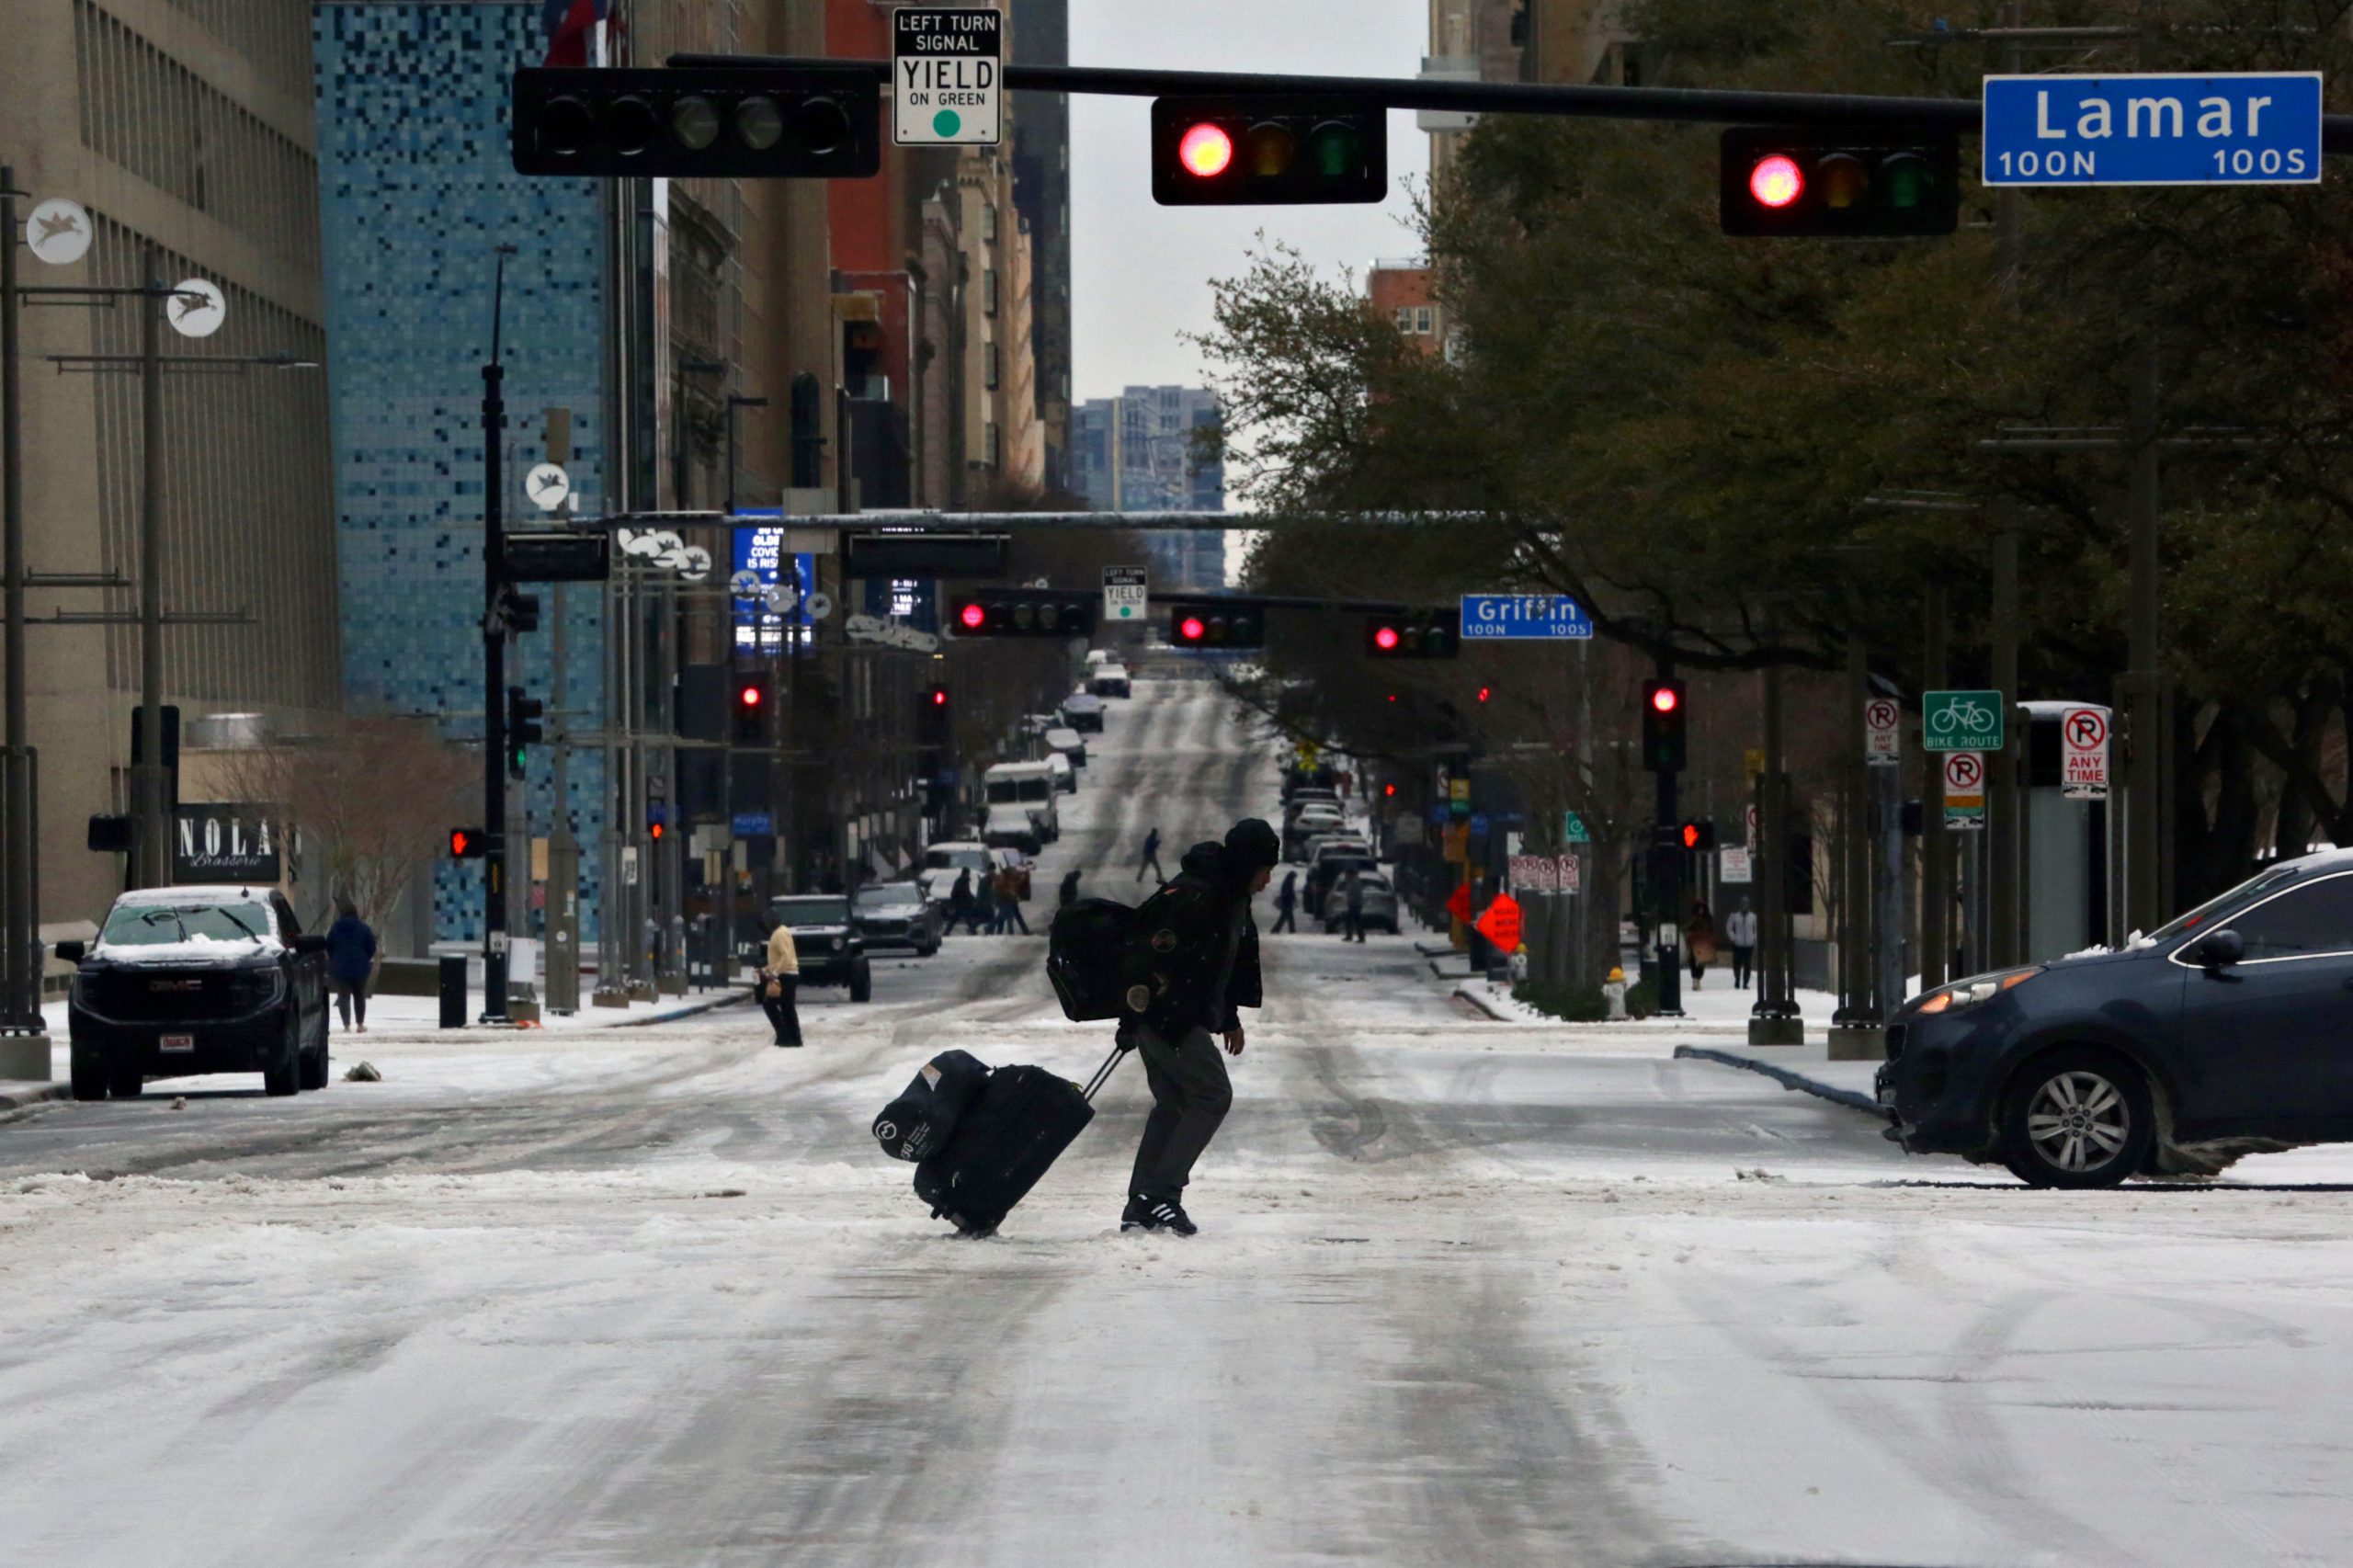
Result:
725,1000
1851,1098
15,1103
1465,994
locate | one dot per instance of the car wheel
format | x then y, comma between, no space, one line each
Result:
314,1068
125,1081
89,1074
861,984
284,1076
927,952
2076,1117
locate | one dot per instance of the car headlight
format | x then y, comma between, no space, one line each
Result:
1984,988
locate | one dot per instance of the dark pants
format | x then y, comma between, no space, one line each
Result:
1009,915
783,1016
1352,925
1152,860
1191,1095
350,997
1740,960
1284,920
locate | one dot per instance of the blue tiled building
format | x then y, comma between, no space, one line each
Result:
417,190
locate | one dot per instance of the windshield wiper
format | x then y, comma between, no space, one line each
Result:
156,917
231,917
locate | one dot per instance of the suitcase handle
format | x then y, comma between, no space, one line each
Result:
1103,1073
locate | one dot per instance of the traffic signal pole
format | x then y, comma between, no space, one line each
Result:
1666,876
494,667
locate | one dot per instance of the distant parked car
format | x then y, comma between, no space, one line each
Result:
1083,710
1059,770
1069,742
1110,680
942,863
1376,906
896,914
826,941
2220,1034
1021,806
1330,863
1309,825
194,980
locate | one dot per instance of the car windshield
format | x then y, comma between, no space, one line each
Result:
954,860
150,925
811,911
894,893
2191,922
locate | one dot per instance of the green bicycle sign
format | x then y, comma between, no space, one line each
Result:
1960,720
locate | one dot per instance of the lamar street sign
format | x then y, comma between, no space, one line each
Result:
2233,128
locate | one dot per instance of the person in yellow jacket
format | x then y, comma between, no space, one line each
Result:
779,978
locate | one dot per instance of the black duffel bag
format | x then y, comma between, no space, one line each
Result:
920,1122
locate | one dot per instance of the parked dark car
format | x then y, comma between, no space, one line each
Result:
1083,712
1329,867
2219,1035
896,914
195,980
830,949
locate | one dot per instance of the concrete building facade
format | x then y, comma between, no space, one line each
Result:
1139,452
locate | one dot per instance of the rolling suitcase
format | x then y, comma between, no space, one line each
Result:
1009,1135
920,1122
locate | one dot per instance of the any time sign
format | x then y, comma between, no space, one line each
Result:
945,77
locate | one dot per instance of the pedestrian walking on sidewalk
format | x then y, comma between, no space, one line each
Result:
779,981
351,964
1352,906
1204,967
1699,940
1740,930
1008,901
1152,858
1287,905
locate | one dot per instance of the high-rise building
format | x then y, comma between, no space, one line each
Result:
1471,40
1143,451
185,126
1041,190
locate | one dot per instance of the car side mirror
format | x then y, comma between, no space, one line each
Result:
2219,949
73,952
310,943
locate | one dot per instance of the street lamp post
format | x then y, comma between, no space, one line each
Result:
727,755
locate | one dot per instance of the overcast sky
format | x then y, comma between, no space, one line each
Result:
1140,271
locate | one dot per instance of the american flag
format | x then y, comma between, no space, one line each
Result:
569,25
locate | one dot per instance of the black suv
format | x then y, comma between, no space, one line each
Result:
2219,1035
193,980
831,950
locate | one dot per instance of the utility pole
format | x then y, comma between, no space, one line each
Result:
27,1045
1935,853
1773,1019
2003,799
1666,873
1856,1034
493,658
151,865
2144,844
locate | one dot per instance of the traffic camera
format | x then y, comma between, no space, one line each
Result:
806,122
1275,151
1015,612
1664,746
1413,634
1837,184
1211,623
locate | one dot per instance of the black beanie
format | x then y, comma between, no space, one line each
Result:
1251,843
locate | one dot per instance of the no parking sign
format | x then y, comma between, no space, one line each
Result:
2083,754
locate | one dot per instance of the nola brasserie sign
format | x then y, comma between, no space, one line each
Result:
234,841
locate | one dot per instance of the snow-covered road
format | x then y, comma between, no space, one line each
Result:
1466,1293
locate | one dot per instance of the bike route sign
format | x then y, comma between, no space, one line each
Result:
1960,720
2232,127
1488,616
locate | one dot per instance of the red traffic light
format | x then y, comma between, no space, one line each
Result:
654,831
940,697
747,696
1388,790
468,844
1191,628
1205,151
1485,692
1385,638
1777,181
973,615
1665,699
459,841
1690,836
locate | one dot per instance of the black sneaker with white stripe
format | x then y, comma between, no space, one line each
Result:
1156,1214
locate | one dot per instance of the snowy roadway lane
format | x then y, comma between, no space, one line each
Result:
1466,1293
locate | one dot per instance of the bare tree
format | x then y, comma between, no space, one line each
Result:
372,795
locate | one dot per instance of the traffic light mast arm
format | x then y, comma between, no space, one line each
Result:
1704,106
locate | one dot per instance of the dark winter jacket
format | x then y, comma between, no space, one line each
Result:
351,948
1199,951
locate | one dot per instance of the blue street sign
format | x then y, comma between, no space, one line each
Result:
1523,615
1439,813
2236,127
753,825
1480,825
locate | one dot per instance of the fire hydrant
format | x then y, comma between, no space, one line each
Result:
1613,991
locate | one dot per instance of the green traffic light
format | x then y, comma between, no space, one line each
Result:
1909,180
1334,149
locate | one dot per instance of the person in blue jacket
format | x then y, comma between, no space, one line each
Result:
351,961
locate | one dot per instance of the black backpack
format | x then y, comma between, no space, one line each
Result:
1086,958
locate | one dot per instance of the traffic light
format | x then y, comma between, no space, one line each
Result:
520,612
1485,692
1698,834
523,729
749,726
932,721
1664,747
1021,612
1268,151
657,821
806,121
1835,183
1214,623
1413,634
468,844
